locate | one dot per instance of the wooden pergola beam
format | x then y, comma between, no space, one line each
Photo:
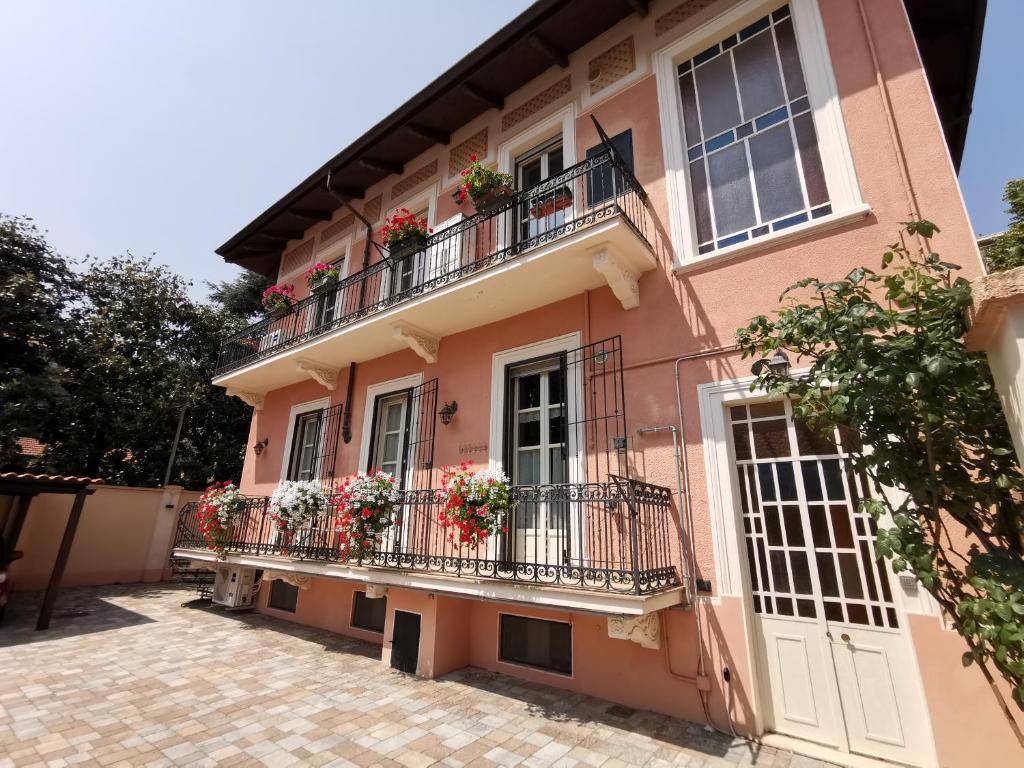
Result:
53,586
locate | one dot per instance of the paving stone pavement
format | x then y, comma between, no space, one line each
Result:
145,675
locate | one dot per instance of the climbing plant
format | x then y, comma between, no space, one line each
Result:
887,358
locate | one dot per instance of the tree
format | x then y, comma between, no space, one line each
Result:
240,297
1007,250
887,360
37,287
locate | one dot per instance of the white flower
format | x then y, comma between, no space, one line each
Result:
295,502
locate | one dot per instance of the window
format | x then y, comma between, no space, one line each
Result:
548,209
389,433
305,439
369,612
283,596
408,269
536,643
751,146
599,181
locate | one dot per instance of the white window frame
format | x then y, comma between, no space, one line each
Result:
822,92
427,198
293,414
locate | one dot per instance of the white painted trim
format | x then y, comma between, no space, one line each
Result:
822,92
561,122
310,405
373,391
427,195
472,588
340,248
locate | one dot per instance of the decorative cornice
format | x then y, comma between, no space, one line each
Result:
300,580
423,343
255,399
644,630
324,375
622,278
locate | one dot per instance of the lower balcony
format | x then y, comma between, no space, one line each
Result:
609,547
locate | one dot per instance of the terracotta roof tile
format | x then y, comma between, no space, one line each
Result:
43,479
29,446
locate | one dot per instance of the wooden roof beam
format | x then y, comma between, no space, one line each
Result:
384,166
640,6
549,49
429,134
484,96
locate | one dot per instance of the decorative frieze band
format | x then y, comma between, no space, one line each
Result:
612,65
458,158
414,180
676,16
537,103
297,257
371,210
337,228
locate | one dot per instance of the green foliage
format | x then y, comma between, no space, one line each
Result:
36,288
888,360
240,297
1007,249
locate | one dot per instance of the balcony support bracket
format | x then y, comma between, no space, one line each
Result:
644,630
300,580
421,342
255,399
324,375
622,277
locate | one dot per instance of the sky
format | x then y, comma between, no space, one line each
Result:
164,127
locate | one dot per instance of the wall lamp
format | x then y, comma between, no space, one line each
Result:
778,364
258,448
448,411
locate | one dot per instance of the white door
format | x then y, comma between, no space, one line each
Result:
539,458
387,452
836,662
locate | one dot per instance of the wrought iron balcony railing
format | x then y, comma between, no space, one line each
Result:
586,194
616,536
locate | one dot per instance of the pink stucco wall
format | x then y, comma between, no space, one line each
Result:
679,314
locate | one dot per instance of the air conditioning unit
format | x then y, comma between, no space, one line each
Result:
233,587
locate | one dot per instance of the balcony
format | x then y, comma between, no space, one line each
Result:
607,547
587,227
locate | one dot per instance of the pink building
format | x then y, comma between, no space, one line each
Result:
675,542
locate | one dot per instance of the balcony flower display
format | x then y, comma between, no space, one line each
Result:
366,508
403,234
278,300
219,506
487,188
475,504
551,203
322,277
294,503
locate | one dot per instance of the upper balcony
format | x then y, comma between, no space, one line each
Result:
586,227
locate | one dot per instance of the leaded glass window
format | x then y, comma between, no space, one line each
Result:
751,145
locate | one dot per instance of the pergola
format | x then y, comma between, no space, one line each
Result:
24,488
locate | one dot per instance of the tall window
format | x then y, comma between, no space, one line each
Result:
305,440
752,149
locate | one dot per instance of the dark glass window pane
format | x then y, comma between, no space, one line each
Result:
556,425
833,611
891,613
805,608
790,59
753,489
738,412
827,575
833,480
368,613
529,391
536,643
701,207
876,615
858,613
555,386
730,190
757,604
773,525
780,576
763,410
868,576
851,575
794,529
801,573
752,563
810,159
757,72
775,173
716,93
785,605
883,580
740,441
771,439
529,428
743,491
811,442
283,596
691,123
819,527
841,526
812,482
766,481
787,482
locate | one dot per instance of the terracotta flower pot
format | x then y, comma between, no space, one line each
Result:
551,203
322,284
493,199
409,245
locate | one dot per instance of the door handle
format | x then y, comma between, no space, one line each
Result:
844,637
828,634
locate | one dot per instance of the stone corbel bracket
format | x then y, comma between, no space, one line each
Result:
376,591
644,630
324,375
255,399
622,277
300,580
423,343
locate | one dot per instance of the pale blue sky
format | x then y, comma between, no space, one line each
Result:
166,127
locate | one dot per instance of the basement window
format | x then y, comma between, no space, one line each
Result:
369,612
283,596
536,643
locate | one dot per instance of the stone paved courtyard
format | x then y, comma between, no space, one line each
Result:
147,675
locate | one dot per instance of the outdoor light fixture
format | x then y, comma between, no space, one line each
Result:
778,364
258,448
447,411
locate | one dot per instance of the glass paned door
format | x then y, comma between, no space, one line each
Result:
305,439
551,207
539,457
389,440
408,271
